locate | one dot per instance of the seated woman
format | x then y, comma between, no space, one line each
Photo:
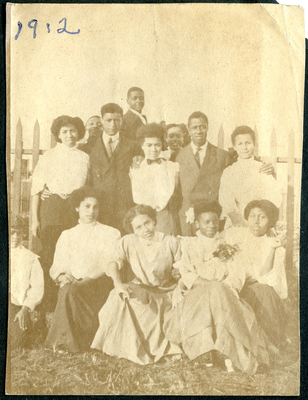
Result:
263,258
26,288
59,172
243,181
131,321
156,182
208,315
79,268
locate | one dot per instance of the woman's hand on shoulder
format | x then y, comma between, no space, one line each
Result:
123,290
137,160
267,168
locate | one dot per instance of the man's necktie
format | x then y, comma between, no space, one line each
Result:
197,157
109,147
157,161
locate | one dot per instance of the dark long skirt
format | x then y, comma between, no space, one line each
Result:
75,319
269,309
56,216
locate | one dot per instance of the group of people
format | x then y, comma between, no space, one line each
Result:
153,246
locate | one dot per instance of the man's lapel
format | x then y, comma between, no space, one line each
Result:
98,153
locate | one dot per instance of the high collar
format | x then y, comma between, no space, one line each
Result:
62,147
207,239
86,226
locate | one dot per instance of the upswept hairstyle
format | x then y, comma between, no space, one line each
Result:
83,193
111,108
65,120
204,207
199,115
149,131
134,89
134,212
266,206
243,130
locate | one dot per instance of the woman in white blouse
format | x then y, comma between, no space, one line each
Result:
61,170
155,182
243,182
80,262
262,256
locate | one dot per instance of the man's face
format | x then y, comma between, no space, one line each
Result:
111,123
94,126
175,138
198,128
136,100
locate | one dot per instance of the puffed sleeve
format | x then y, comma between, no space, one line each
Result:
62,260
227,193
187,270
276,277
35,292
120,252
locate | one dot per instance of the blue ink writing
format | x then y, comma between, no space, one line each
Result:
33,26
61,30
19,30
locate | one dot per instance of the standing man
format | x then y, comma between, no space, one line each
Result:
133,119
110,160
94,129
201,167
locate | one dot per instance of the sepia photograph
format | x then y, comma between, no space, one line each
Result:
154,166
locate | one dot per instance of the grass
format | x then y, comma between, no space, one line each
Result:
42,372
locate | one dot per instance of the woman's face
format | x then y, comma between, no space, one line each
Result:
88,210
208,224
258,222
68,135
143,227
244,146
152,148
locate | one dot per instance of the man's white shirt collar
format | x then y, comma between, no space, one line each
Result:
202,148
114,138
139,115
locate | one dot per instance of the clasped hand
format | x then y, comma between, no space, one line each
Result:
123,290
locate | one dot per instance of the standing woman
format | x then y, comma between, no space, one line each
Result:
132,320
155,182
60,170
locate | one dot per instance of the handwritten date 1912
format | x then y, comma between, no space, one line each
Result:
33,24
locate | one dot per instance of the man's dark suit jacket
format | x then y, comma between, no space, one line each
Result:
130,125
200,184
111,178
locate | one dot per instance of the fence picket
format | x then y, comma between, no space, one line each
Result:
35,158
221,138
17,169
